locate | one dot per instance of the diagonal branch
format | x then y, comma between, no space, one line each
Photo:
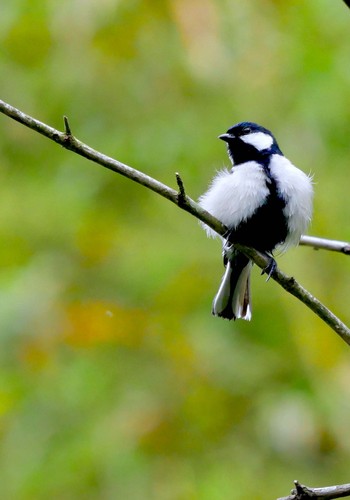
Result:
68,141
294,288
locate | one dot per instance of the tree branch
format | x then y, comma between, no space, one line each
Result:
68,141
302,492
325,244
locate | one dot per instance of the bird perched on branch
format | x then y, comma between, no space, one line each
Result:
264,201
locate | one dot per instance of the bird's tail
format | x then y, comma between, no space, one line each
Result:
233,299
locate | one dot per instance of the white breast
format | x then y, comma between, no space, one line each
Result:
234,196
296,188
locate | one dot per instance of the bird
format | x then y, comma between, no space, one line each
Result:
266,204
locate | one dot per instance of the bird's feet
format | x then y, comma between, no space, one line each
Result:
270,268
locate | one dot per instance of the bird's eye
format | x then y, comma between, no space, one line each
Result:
246,130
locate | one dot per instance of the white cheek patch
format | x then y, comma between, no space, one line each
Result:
259,140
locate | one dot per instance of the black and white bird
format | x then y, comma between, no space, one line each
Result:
264,201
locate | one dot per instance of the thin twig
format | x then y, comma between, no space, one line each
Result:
188,205
326,244
302,492
67,128
181,197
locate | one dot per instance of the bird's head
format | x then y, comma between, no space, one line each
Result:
249,141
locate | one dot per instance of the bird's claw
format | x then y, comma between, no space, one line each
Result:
270,268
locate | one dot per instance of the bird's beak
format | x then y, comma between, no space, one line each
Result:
226,137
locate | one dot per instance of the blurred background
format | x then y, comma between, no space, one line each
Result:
115,380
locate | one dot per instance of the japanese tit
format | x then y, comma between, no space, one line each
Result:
264,201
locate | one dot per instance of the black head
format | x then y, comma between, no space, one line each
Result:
249,141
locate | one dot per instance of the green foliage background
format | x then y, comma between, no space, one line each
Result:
115,381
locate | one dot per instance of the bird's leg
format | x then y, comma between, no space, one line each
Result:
270,268
228,251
